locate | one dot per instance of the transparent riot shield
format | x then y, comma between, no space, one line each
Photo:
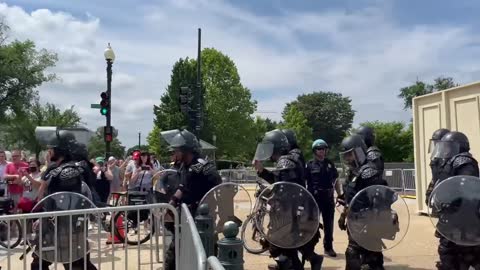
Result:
454,209
86,191
228,202
61,238
287,215
377,218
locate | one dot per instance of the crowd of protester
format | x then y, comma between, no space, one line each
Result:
20,176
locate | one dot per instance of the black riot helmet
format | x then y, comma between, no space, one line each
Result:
273,143
436,137
451,144
291,137
367,134
182,139
69,144
353,151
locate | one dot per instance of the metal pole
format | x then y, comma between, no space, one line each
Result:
109,93
199,95
139,136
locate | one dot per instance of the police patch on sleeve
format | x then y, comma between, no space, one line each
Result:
368,172
461,160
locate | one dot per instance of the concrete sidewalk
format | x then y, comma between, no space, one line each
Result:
418,250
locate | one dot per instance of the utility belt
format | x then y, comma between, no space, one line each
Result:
323,191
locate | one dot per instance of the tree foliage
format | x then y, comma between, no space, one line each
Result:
157,145
96,146
22,69
20,126
330,115
394,139
421,88
295,120
228,105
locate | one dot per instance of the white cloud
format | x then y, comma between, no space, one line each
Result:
361,53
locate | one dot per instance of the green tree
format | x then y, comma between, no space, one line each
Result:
96,146
394,139
295,120
22,70
167,113
20,128
156,145
330,115
420,88
228,105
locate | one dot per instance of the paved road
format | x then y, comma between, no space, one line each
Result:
417,251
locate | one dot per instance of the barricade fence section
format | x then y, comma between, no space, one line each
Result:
191,253
79,238
401,180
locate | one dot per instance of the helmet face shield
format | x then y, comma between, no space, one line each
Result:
264,151
353,158
445,149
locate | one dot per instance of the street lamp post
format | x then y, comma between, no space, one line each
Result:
109,57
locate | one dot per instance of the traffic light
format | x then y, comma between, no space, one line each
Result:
108,133
104,104
184,100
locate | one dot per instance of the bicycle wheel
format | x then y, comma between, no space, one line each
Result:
136,234
15,234
253,242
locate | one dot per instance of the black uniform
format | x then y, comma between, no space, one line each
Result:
289,169
453,256
320,177
374,156
196,180
68,177
356,256
435,163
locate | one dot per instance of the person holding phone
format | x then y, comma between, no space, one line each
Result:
33,186
143,174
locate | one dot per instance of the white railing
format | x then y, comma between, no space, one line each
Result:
192,254
100,255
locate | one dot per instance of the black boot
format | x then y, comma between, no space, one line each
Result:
316,262
330,252
283,263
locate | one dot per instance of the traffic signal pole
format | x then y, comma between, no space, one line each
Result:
198,115
108,116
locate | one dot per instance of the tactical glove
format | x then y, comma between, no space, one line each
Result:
342,222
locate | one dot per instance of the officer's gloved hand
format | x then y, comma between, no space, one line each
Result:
342,222
341,199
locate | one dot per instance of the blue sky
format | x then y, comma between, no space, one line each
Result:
365,49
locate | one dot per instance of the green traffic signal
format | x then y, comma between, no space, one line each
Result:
104,111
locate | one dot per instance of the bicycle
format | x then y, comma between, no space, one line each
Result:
16,229
253,221
134,221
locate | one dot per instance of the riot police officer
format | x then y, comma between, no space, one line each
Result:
197,177
362,174
453,151
374,155
321,175
275,147
295,150
435,163
64,175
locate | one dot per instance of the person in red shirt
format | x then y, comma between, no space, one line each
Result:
13,173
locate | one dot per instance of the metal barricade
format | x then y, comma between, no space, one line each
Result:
101,254
409,181
394,178
191,254
214,263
